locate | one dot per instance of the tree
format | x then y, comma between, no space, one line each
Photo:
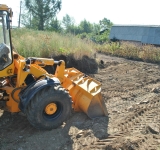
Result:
43,10
55,25
105,24
85,26
103,29
96,28
68,23
29,21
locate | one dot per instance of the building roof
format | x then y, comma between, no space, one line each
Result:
135,25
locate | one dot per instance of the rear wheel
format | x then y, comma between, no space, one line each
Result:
49,108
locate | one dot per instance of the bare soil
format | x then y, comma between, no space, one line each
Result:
131,91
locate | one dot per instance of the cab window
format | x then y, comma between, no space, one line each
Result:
5,47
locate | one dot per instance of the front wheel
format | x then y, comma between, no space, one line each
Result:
49,107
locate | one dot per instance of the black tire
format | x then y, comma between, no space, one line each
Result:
51,94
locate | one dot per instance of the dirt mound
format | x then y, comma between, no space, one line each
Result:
85,64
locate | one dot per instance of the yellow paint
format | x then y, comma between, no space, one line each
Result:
51,109
4,7
7,71
12,106
60,71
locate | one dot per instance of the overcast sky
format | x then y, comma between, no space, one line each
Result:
144,12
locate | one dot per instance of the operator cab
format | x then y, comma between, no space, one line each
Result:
5,46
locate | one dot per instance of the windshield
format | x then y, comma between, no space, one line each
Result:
5,48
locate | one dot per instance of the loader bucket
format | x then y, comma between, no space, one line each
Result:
85,93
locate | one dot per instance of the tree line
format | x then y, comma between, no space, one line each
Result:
41,15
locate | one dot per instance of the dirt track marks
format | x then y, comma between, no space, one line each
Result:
137,127
131,93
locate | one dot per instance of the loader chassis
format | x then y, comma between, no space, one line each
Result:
46,99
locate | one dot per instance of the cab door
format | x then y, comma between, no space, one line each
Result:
6,59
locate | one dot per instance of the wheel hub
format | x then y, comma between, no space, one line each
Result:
51,109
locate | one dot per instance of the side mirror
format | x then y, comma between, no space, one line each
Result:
8,21
11,13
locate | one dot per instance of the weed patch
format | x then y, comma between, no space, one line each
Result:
147,53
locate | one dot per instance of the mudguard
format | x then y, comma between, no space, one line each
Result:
27,94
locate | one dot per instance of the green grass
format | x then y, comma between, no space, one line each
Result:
47,44
147,53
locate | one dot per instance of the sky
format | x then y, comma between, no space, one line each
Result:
128,12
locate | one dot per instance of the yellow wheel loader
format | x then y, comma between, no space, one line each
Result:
46,99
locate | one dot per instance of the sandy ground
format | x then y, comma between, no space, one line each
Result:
131,92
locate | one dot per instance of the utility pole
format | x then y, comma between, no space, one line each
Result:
19,22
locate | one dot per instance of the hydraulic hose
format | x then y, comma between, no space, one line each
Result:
13,92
